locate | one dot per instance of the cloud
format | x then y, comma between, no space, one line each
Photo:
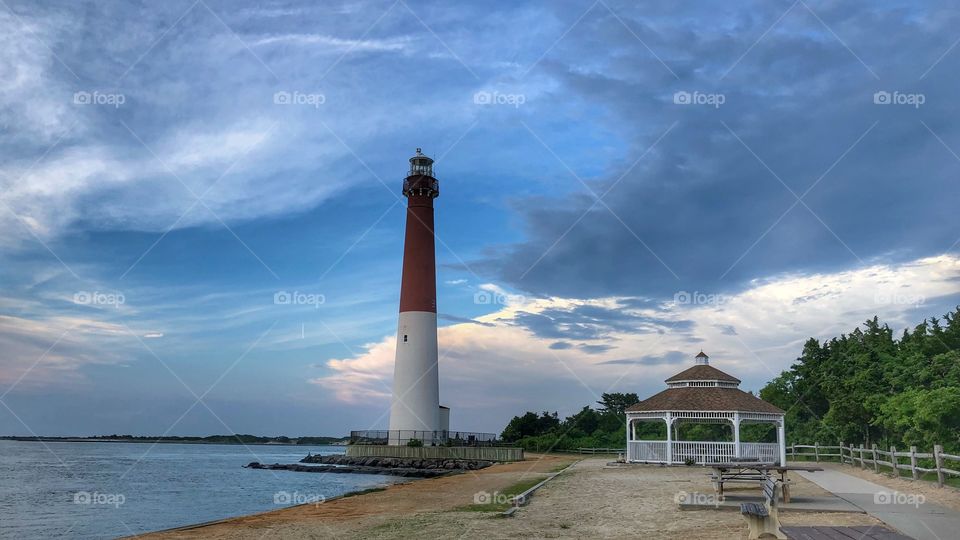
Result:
482,361
458,319
198,108
592,321
50,351
726,329
337,45
704,198
32,97
671,357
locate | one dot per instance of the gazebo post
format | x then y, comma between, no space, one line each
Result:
736,433
669,420
782,441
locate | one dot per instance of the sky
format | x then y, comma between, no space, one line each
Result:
203,225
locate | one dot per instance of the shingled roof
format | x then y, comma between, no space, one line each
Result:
703,372
693,398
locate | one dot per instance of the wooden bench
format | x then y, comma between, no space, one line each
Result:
763,519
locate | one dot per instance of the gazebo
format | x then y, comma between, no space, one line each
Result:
702,394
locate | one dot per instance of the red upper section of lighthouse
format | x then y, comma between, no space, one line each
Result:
418,290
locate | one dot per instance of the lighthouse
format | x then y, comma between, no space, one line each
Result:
415,411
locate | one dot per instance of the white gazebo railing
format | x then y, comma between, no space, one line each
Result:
652,451
672,451
761,451
702,452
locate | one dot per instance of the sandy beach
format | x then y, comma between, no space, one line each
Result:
590,499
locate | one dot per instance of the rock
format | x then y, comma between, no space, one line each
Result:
414,467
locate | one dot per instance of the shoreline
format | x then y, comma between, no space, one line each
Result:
226,520
355,509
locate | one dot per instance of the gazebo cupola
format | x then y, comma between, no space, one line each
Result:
702,374
703,394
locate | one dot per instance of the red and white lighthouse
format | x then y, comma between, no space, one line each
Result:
415,410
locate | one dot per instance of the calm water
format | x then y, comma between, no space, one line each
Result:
105,490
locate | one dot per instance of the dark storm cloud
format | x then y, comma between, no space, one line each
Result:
700,212
594,349
726,329
586,322
672,357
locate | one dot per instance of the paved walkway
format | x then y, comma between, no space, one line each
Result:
904,511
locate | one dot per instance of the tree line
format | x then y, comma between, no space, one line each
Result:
871,387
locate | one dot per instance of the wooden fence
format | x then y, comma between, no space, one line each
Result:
912,460
600,450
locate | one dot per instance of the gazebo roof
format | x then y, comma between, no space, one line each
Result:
694,398
703,372
703,387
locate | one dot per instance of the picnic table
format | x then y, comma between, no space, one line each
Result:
742,471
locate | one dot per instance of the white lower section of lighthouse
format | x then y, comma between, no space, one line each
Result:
416,384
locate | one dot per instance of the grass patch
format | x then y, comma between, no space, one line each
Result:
488,507
561,467
500,500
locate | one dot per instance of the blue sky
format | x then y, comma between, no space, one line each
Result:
169,168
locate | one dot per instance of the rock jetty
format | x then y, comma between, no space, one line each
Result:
400,463
405,467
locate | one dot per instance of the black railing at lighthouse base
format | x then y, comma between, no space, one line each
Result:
429,438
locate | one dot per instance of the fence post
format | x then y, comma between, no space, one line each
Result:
876,466
863,464
893,462
840,452
793,450
938,460
853,461
913,462
816,452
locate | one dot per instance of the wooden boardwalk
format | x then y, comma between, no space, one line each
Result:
843,533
